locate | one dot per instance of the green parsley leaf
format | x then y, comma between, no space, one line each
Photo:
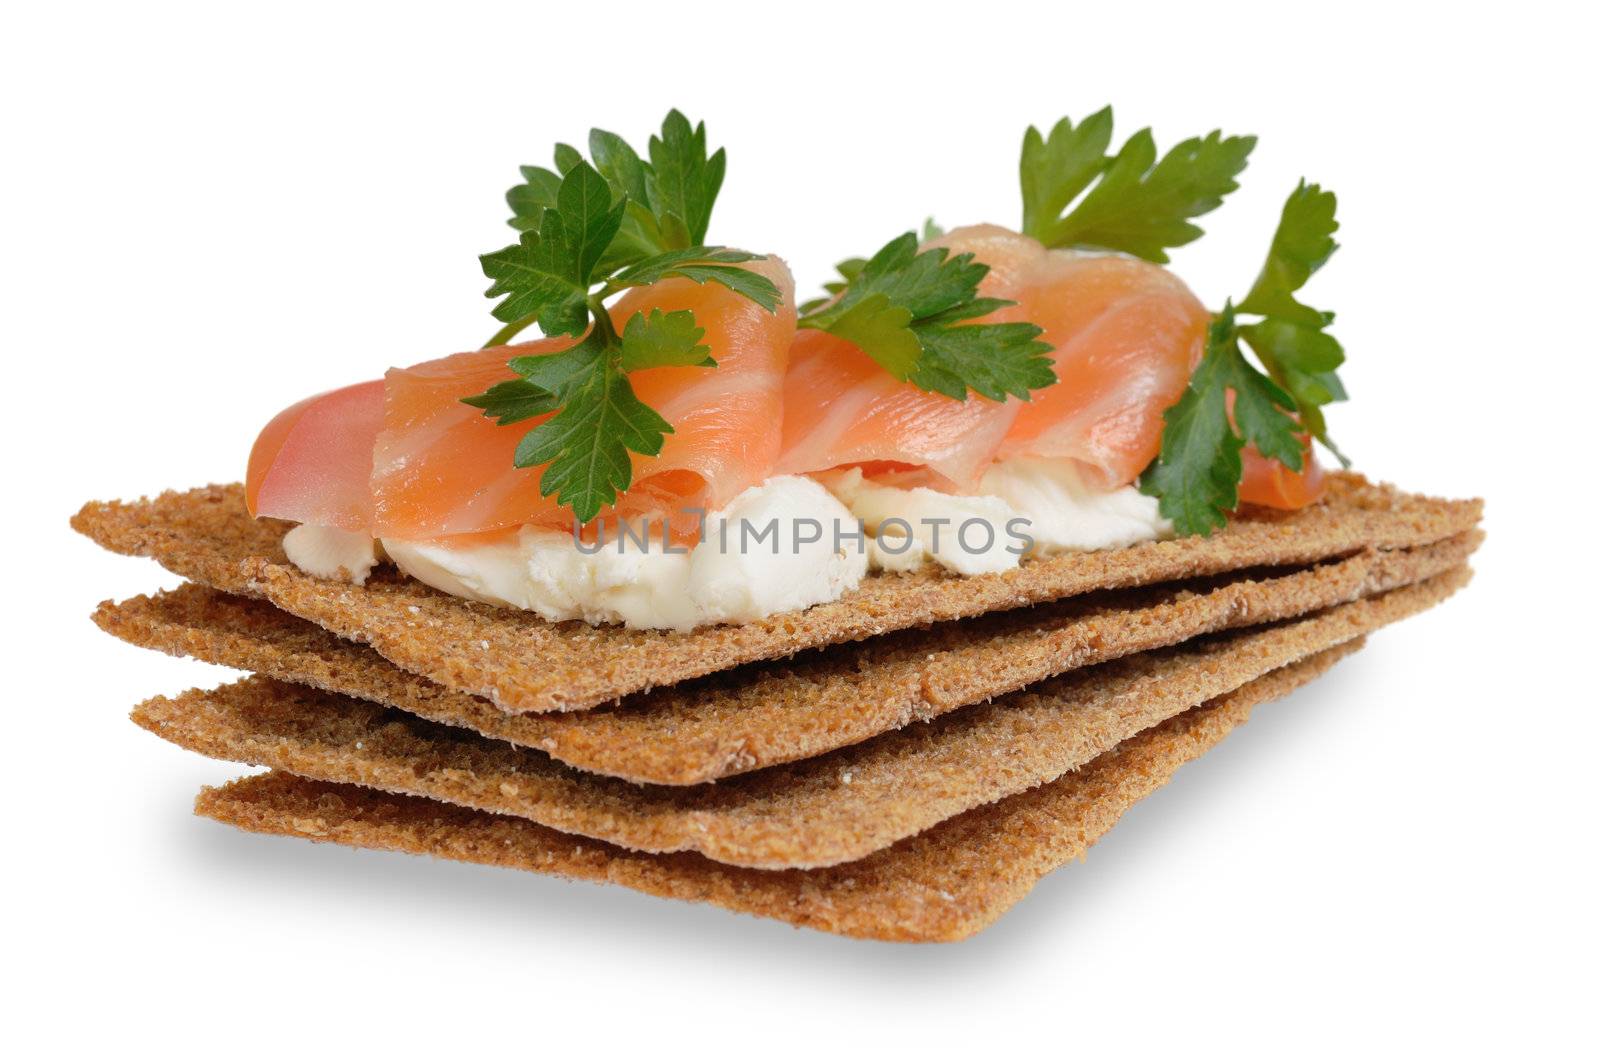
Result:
544,382
566,157
1133,202
1142,206
534,277
589,217
586,448
1300,246
1057,168
1291,340
1302,361
562,372
529,200
851,268
598,421
511,401
1279,341
993,360
682,182
619,164
904,308
848,270
663,339
640,234
1197,474
546,275
669,198
1263,411
875,324
617,223
702,265
1196,477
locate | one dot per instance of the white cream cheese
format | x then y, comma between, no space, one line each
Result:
1066,514
964,533
774,548
1025,506
786,544
332,553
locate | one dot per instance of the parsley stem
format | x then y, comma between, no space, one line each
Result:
602,321
508,331
597,309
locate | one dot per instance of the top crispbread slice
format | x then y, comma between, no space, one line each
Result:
942,885
820,812
775,712
524,664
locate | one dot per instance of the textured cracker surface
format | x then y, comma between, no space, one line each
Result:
942,885
772,713
524,664
823,811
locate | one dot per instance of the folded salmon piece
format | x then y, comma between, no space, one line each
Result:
1126,334
313,462
841,409
405,458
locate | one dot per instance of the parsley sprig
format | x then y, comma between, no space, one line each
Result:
1075,194
912,312
668,199
588,234
1197,475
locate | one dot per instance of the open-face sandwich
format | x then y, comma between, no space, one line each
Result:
861,613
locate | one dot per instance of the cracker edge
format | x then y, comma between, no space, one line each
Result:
565,670
751,740
994,855
806,815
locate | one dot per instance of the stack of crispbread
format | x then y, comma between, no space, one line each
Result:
904,763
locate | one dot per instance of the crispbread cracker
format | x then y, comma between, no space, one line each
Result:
941,885
767,714
524,664
820,812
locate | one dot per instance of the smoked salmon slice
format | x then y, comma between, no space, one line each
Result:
1125,336
313,462
441,468
1268,482
843,409
405,458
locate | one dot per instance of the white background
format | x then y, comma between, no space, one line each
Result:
211,211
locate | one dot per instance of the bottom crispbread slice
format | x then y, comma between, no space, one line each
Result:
769,714
525,664
942,885
821,812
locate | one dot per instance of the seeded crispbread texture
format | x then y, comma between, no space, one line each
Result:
524,664
941,885
825,811
772,713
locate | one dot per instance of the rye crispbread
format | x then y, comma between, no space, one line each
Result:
941,885
820,812
774,713
524,664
